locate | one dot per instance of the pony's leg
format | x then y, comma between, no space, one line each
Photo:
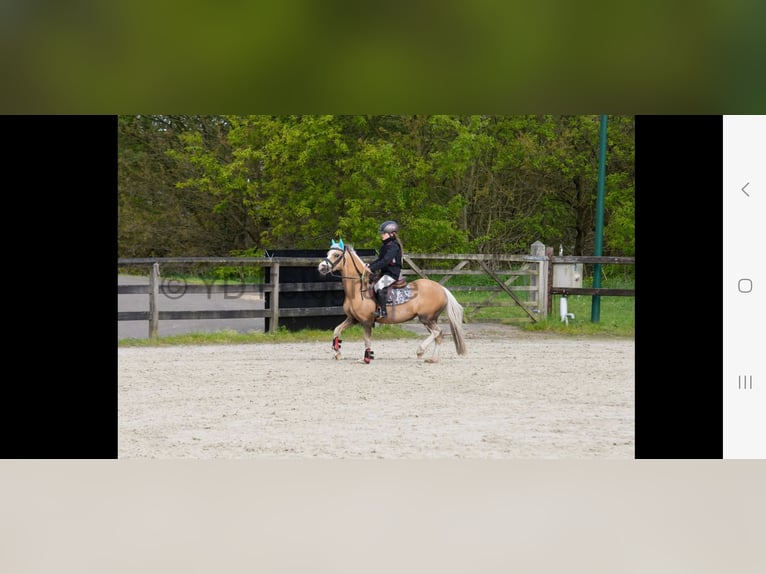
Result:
434,335
368,354
336,340
437,345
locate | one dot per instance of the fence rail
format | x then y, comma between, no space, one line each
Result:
535,271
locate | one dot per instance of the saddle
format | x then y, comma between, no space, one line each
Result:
400,283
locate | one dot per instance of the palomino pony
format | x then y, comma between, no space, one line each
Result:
422,298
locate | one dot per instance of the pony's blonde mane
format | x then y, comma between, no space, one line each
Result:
353,252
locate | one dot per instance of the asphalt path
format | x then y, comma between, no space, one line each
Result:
169,301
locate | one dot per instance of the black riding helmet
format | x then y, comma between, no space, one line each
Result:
388,227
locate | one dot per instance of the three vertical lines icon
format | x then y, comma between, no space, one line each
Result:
745,382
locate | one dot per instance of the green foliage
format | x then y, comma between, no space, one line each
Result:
245,273
616,317
216,185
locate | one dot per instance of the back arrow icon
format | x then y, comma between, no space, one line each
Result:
743,189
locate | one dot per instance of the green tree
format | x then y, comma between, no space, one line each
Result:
156,216
216,185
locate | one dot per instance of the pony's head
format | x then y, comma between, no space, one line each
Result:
334,255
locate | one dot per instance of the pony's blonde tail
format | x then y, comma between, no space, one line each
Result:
455,316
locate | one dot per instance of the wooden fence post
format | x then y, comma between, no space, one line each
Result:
274,277
154,295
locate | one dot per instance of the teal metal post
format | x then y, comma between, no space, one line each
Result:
595,306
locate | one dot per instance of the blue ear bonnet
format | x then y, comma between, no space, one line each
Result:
333,244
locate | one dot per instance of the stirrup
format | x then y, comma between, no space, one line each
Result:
381,313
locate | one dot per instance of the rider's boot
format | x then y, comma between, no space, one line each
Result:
381,297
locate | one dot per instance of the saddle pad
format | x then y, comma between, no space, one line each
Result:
399,296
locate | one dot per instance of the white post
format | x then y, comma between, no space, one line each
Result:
539,297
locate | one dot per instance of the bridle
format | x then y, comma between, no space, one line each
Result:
330,263
344,250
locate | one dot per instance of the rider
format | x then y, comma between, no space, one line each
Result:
389,262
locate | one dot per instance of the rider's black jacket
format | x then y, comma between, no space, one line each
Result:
389,259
